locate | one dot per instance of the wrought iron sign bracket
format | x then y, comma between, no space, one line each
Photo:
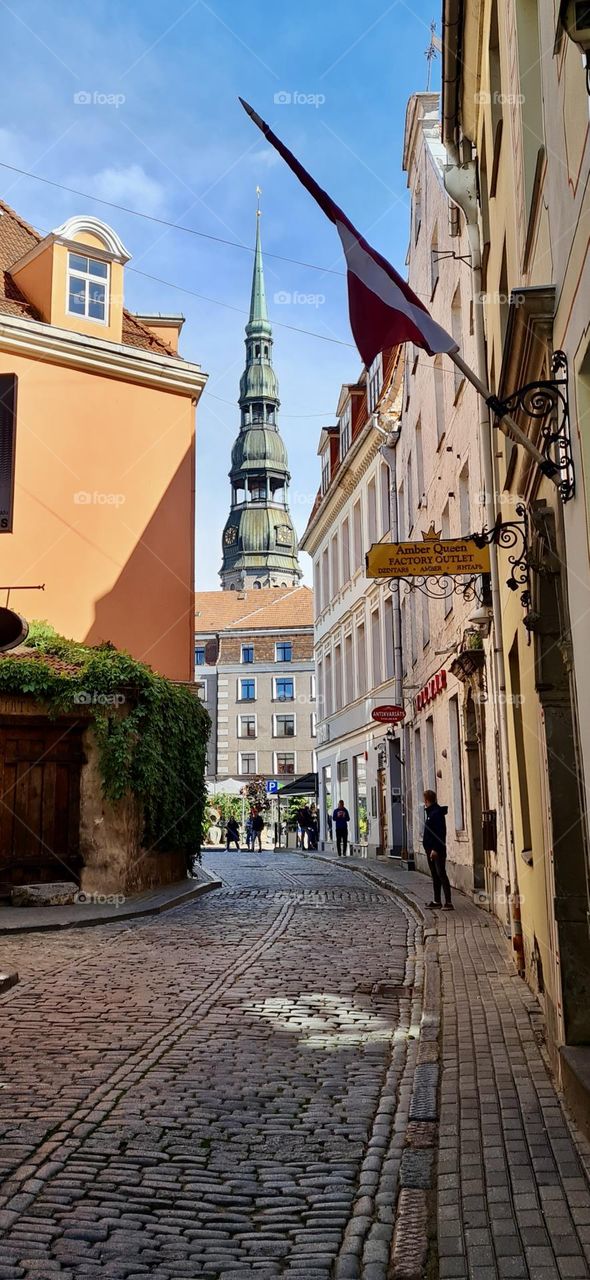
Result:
513,536
440,586
547,402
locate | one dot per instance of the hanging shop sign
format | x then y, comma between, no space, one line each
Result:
434,556
388,714
431,690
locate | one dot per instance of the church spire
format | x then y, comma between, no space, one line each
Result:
259,541
258,313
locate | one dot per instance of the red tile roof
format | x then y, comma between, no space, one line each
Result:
271,608
16,239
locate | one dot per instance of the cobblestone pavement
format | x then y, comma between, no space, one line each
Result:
223,1091
513,1195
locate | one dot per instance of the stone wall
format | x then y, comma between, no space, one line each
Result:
111,839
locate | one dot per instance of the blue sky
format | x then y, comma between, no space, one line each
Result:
171,140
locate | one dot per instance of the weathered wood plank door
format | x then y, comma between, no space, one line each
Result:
40,768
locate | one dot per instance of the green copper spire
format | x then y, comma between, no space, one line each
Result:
258,321
259,540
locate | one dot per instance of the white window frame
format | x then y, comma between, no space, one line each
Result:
284,737
204,649
326,469
246,646
314,724
374,382
345,430
88,279
284,661
276,754
239,689
249,715
275,696
246,773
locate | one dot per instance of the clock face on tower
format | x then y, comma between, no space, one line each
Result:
230,536
284,535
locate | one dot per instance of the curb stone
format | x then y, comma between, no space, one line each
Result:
416,1169
115,916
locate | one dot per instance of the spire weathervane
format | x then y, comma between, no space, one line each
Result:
258,195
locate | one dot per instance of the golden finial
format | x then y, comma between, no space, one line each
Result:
258,195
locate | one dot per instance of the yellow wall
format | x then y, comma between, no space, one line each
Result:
104,511
508,231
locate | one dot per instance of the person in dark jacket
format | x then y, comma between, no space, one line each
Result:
435,846
341,819
232,834
257,828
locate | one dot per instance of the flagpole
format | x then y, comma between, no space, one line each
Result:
506,422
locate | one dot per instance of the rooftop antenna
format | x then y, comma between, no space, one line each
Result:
433,49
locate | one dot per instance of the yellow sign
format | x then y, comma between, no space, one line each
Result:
433,557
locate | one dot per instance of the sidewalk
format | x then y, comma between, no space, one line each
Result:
513,1196
81,915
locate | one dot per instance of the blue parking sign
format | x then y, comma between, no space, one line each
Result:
271,787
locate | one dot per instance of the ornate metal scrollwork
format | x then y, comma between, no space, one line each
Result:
513,535
547,402
439,587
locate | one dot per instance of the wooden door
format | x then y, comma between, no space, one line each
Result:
40,765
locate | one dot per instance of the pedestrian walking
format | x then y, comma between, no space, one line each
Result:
303,821
341,819
257,829
232,834
249,833
435,846
313,829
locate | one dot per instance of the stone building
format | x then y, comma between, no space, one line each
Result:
515,126
356,629
254,663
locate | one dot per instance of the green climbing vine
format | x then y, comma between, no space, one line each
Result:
151,733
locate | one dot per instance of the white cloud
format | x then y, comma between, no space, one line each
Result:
129,185
266,156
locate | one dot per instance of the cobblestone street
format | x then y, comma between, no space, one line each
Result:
248,1085
218,1092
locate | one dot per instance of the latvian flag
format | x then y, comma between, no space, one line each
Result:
384,311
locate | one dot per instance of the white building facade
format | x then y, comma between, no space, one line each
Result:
358,759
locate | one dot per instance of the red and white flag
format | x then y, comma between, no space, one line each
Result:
384,311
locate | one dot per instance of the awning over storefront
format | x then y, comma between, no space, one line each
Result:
306,785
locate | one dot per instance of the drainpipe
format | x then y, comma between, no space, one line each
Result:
388,452
461,185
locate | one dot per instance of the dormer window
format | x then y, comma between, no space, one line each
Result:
87,287
325,470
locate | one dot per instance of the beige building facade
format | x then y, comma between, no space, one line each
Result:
451,736
515,124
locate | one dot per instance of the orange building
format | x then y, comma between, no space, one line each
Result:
104,491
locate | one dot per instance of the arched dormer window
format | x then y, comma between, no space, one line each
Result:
74,277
